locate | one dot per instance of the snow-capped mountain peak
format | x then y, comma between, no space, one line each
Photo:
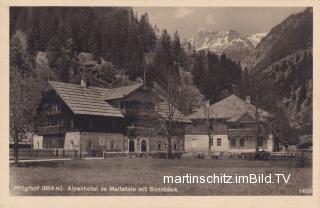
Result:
236,46
256,38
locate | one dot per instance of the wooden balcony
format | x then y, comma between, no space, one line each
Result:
202,130
50,130
241,132
141,131
53,113
136,112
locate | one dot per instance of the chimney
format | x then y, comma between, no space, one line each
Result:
83,81
248,99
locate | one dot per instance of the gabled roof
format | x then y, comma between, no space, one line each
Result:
242,117
163,111
231,108
85,100
94,100
120,92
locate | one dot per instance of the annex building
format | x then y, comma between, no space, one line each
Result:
232,126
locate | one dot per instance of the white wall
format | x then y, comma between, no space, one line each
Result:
196,143
37,142
72,140
224,143
199,143
270,143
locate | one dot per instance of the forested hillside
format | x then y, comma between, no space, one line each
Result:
108,43
114,34
284,56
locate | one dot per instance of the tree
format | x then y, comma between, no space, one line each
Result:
20,59
146,34
178,53
24,91
281,129
116,34
215,76
166,111
22,106
262,97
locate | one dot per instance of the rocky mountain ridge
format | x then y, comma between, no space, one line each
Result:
235,45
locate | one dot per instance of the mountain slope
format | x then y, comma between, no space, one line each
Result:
256,38
285,57
293,34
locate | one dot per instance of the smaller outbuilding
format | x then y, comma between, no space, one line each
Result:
229,126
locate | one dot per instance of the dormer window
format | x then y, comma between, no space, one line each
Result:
54,108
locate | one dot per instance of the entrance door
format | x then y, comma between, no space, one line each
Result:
143,146
131,146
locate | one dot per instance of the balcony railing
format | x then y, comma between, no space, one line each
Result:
203,130
135,111
241,132
141,131
50,130
53,113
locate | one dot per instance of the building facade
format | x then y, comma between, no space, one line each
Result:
229,125
92,120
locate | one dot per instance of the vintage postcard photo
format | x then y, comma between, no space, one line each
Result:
161,101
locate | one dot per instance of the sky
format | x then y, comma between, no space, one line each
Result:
190,20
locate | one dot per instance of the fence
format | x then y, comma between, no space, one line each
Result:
302,156
155,154
282,155
34,154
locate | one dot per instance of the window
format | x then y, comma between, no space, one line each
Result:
260,142
211,142
175,146
102,141
54,108
233,142
113,145
242,142
159,146
219,142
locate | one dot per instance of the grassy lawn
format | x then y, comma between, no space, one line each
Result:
139,173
